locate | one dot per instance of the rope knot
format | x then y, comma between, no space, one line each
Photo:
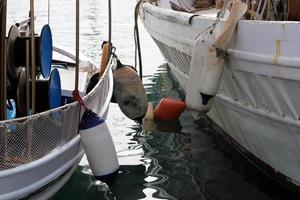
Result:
77,97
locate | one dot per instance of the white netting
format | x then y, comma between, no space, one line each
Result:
28,139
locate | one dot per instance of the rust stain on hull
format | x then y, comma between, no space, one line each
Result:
277,52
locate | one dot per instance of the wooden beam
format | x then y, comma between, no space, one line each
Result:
293,10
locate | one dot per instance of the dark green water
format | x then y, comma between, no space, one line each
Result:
177,160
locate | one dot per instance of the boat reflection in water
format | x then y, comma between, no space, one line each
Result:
240,77
186,161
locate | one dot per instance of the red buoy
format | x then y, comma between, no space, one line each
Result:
169,109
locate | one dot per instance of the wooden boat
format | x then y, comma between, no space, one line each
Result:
257,107
40,149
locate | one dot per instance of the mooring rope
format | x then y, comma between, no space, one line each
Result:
137,40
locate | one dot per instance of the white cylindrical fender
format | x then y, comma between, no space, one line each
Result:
199,54
98,145
211,75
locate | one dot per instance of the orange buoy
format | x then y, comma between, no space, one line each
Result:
103,58
169,109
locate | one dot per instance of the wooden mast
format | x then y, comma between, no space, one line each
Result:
3,4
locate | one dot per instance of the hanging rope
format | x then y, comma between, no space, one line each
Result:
137,40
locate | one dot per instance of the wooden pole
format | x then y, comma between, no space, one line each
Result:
3,4
33,66
109,32
77,44
27,70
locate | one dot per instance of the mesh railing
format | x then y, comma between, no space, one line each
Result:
25,140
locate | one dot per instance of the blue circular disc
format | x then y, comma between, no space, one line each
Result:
54,93
46,47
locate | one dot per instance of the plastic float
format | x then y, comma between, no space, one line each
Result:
129,92
95,78
148,121
211,75
104,57
199,53
169,109
213,68
98,146
149,114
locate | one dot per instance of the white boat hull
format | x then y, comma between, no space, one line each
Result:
258,102
41,172
41,161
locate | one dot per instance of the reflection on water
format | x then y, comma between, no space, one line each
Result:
176,160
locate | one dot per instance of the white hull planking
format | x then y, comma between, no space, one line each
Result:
258,102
